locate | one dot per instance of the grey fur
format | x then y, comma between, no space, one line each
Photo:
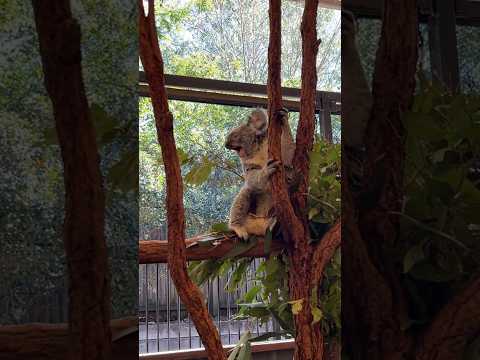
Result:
250,211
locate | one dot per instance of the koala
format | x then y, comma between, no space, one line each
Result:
250,213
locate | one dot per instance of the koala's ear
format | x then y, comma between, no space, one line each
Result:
258,119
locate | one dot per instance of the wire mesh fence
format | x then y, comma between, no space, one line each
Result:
164,323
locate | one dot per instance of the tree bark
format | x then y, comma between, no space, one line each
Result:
86,251
292,213
373,322
454,327
156,251
51,341
190,295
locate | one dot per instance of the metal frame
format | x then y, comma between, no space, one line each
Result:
258,347
441,16
232,93
222,92
467,12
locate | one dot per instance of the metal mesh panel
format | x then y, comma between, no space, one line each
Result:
164,323
468,38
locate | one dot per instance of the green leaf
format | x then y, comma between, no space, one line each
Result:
283,317
413,256
312,212
267,244
245,352
297,306
105,125
124,174
220,228
317,314
240,248
267,336
199,173
252,293
183,156
238,275
234,353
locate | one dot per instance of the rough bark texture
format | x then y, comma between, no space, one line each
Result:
86,251
307,260
190,295
373,322
51,341
156,251
452,329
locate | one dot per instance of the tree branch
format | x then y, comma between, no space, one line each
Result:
453,327
156,251
324,252
189,293
291,227
306,124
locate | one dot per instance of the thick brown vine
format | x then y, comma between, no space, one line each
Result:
189,293
89,331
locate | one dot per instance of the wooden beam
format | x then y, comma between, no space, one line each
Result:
202,247
467,12
211,97
38,341
258,347
190,82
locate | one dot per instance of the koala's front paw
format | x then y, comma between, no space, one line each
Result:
282,114
240,231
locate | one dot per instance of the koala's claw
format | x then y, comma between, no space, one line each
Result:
273,162
271,223
272,166
282,114
241,232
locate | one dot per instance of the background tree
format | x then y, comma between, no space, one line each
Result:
33,264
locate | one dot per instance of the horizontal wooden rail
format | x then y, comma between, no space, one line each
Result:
202,247
466,12
212,91
38,341
212,97
259,347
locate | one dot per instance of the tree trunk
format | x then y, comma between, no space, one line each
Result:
373,322
84,239
307,260
190,295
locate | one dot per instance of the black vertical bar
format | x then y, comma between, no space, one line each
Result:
443,44
326,122
157,309
146,302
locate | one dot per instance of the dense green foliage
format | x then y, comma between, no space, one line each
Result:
440,223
